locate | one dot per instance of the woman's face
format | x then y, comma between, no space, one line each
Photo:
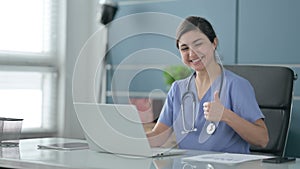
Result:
196,50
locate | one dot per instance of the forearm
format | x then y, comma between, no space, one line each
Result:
158,135
254,133
154,139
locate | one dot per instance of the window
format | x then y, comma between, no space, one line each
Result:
25,94
26,26
29,62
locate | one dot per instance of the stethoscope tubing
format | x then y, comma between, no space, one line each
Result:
184,97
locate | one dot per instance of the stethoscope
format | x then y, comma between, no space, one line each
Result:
211,127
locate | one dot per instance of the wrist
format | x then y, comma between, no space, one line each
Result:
226,115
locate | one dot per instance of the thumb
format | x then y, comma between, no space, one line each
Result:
216,96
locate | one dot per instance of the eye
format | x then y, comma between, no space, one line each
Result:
197,44
184,48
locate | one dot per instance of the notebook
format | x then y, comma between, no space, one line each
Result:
117,129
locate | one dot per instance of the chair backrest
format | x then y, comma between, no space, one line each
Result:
273,87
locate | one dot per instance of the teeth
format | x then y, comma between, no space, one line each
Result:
199,59
196,60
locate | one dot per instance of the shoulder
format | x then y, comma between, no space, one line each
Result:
235,79
237,85
239,88
178,87
233,76
182,83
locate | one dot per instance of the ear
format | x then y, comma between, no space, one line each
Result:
215,43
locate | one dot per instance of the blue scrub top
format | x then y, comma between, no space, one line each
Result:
237,94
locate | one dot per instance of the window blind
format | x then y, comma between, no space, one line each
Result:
29,62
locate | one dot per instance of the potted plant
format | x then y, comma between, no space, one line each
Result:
175,72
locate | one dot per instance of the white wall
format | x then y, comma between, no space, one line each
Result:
81,24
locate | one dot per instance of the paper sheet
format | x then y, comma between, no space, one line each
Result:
225,158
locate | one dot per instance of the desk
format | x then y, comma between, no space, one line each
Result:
28,156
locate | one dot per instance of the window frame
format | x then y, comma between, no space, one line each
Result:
51,62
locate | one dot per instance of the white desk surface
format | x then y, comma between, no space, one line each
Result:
28,156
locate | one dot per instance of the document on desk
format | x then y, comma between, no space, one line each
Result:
226,158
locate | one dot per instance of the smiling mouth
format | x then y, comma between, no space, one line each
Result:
197,60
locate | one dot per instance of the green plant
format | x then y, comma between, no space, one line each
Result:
175,72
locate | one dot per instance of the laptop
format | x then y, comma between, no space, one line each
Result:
117,129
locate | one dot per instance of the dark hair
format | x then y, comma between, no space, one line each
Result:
195,23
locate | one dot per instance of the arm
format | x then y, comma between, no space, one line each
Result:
162,130
254,133
159,134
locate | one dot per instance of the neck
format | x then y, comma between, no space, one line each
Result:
208,75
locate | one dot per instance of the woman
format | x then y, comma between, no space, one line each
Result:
236,120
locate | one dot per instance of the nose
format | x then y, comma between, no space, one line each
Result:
191,52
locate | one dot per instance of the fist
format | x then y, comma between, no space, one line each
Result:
213,111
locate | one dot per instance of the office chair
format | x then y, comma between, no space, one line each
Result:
273,87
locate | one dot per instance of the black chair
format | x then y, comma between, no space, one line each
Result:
273,87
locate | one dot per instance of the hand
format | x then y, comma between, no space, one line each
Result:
213,111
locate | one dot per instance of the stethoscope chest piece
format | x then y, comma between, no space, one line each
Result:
211,128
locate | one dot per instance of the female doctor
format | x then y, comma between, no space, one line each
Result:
202,116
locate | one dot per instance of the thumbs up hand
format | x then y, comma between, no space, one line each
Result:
213,111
